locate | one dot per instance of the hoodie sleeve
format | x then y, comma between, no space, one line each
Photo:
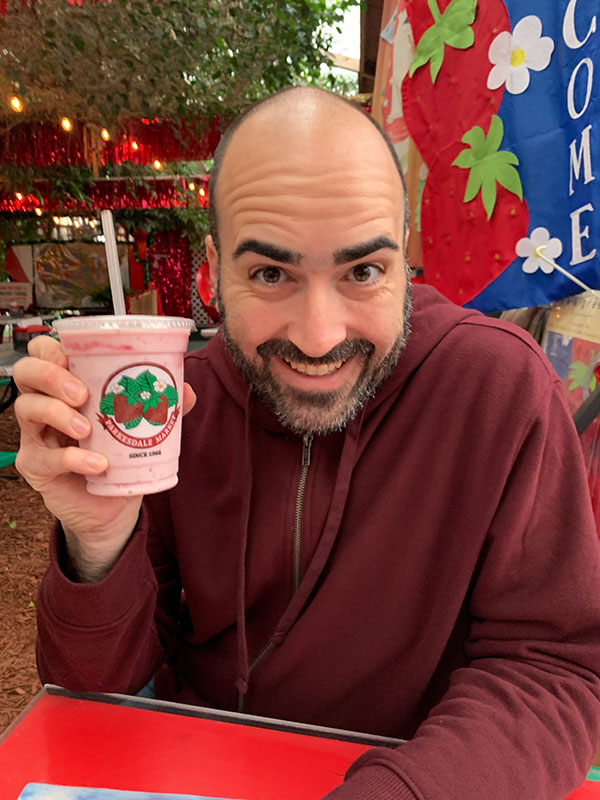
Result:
109,636
522,719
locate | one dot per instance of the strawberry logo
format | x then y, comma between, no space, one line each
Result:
144,401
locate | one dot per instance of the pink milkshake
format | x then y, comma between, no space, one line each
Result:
133,368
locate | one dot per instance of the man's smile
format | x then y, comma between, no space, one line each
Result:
313,369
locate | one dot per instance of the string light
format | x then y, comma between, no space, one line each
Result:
92,223
76,223
19,196
105,134
56,220
66,124
15,103
192,186
38,212
156,164
134,145
202,192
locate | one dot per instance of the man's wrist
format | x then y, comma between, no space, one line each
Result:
89,563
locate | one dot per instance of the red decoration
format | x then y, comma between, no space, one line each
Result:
138,141
116,193
171,272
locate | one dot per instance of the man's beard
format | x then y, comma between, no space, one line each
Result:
317,412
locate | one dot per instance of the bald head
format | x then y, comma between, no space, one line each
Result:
303,127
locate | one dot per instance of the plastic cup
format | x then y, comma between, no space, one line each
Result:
133,368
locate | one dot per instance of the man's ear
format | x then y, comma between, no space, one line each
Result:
213,260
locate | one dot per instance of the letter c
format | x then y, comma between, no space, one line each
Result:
569,33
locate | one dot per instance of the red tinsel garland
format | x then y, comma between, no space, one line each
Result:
171,272
117,193
138,141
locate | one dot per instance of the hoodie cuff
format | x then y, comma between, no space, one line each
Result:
373,782
94,605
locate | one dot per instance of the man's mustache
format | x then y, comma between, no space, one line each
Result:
283,348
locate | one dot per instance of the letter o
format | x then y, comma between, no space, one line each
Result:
573,113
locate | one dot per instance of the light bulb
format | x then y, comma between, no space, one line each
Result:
15,103
105,134
66,124
19,196
56,220
38,211
156,164
192,186
134,145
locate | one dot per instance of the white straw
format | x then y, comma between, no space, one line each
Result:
539,252
112,258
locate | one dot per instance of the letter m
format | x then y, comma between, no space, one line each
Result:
577,158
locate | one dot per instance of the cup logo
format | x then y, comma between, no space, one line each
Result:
139,405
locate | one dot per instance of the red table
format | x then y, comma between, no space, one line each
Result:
115,742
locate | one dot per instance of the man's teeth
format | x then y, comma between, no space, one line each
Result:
314,369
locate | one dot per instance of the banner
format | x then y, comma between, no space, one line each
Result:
502,100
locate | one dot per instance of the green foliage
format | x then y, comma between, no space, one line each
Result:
578,371
452,28
103,62
488,165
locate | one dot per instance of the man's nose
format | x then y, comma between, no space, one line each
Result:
319,321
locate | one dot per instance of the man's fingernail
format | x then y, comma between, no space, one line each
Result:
73,390
80,425
96,462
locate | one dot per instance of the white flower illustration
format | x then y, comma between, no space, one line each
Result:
145,395
513,55
115,388
527,248
159,386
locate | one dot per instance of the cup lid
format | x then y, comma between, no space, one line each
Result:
123,322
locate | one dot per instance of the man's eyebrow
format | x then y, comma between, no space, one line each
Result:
346,254
273,251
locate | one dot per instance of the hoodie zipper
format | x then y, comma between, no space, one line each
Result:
306,453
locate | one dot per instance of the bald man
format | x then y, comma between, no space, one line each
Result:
382,521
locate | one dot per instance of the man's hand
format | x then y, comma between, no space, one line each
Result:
97,528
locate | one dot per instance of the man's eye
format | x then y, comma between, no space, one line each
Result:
365,273
269,275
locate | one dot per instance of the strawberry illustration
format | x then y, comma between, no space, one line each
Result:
158,415
124,411
472,213
445,91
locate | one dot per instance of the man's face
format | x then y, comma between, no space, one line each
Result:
311,279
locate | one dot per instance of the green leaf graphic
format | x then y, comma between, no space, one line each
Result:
452,28
171,394
132,423
488,166
106,404
146,382
577,373
131,387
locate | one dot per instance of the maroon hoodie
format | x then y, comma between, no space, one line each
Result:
432,574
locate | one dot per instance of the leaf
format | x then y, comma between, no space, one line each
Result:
12,524
131,387
488,194
495,134
475,138
107,404
473,185
132,423
577,373
507,176
146,381
171,394
464,159
451,28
